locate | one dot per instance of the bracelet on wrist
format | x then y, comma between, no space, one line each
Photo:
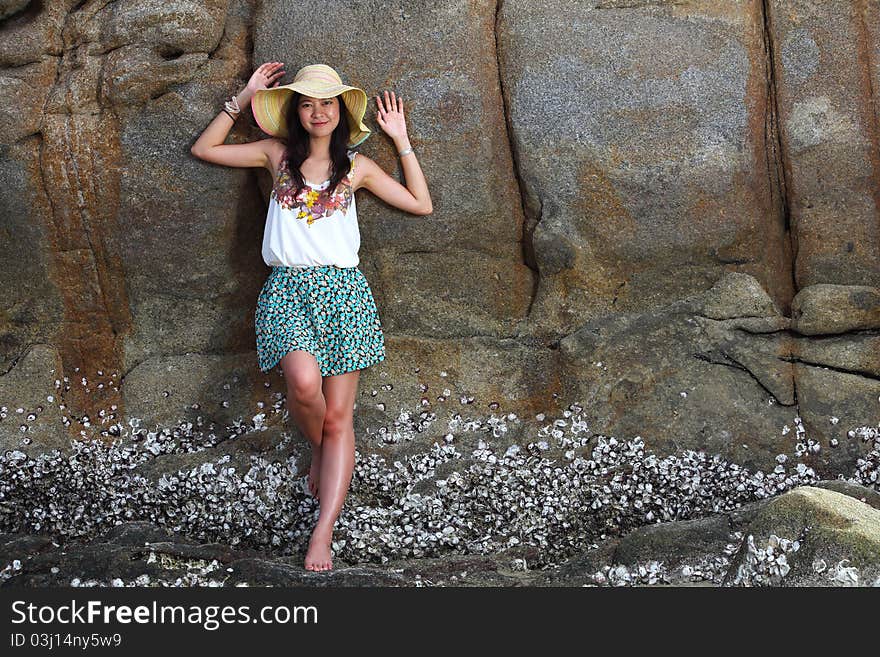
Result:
231,116
231,107
405,151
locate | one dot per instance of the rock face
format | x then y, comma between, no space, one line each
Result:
666,212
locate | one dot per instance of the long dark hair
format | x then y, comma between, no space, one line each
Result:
298,145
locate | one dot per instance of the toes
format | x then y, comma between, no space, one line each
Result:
319,565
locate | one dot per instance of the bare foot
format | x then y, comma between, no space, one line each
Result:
318,556
315,471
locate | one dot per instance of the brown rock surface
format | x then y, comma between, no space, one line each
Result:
642,149
632,201
825,73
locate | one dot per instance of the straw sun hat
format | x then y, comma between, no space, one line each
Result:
270,105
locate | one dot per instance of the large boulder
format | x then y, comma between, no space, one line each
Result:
664,213
641,150
819,537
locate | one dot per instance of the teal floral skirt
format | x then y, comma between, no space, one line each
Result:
326,310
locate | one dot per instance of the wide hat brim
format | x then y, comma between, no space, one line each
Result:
270,107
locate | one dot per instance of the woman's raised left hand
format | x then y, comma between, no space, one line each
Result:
390,115
267,75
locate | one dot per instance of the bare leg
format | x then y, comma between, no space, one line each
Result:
337,464
306,404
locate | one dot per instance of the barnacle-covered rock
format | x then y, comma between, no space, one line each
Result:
828,527
535,505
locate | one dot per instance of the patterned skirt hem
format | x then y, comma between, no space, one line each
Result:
359,366
325,371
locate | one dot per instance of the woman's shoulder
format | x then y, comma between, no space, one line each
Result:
357,157
362,160
360,165
355,173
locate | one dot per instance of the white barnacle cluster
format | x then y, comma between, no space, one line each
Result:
867,471
520,496
498,425
765,566
198,572
706,569
405,427
61,386
566,431
389,519
422,582
97,486
195,577
711,568
650,572
839,574
843,575
457,423
187,437
803,446
559,492
800,448
10,570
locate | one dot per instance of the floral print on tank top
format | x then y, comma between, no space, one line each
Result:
310,204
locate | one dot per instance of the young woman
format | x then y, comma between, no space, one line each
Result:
316,315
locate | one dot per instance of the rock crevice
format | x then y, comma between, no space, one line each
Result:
529,221
777,169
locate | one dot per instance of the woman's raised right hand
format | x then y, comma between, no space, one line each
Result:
267,75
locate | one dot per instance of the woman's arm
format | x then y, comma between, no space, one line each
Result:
210,147
413,198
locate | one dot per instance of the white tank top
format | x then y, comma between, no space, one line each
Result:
311,229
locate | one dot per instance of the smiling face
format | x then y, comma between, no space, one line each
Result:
319,116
